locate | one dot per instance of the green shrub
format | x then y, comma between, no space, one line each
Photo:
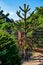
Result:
8,50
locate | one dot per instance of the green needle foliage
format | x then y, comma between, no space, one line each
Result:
2,17
8,50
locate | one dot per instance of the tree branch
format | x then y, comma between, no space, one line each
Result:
1,12
30,15
18,13
21,8
4,16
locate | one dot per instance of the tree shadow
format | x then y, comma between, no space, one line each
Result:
27,57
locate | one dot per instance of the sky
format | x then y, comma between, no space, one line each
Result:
11,6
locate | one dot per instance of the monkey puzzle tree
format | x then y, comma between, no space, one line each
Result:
25,26
25,18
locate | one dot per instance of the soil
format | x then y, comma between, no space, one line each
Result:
36,55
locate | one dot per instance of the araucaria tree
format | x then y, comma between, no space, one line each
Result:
25,18
2,17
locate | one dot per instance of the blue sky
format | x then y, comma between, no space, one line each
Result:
11,6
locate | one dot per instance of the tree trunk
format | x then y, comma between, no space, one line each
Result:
24,35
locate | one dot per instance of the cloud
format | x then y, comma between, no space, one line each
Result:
10,12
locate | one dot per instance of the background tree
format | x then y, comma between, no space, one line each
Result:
2,17
38,37
38,31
